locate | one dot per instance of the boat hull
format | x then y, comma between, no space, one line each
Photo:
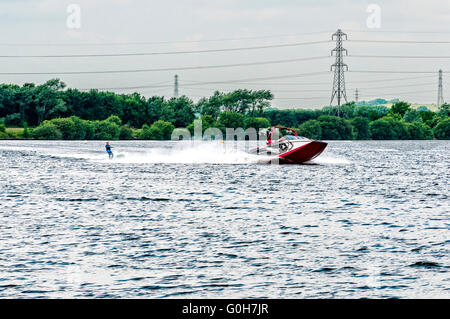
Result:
303,153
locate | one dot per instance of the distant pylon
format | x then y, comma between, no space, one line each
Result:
175,89
339,66
356,96
440,99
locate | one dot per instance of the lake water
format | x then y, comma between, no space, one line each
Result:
172,220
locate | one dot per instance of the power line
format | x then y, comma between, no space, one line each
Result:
170,69
192,87
388,93
299,98
221,39
399,31
192,83
401,56
321,83
392,71
163,84
400,41
408,92
216,89
298,75
323,97
396,79
128,87
165,42
398,86
167,52
371,97
273,83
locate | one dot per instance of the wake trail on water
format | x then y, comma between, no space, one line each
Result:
200,152
330,159
203,153
209,153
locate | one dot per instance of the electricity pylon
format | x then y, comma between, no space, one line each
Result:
440,99
175,89
339,67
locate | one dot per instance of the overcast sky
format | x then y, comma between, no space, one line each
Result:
252,23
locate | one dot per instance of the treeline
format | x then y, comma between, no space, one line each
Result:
400,122
33,104
59,113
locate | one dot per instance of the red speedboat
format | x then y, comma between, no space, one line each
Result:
287,147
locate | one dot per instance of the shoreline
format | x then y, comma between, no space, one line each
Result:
169,140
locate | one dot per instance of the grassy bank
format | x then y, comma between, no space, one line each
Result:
13,133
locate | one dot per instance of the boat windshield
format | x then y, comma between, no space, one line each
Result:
294,137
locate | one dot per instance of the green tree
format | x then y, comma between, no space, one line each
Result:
106,130
207,122
256,123
156,109
66,126
388,128
136,110
126,132
400,108
347,111
230,120
3,133
419,131
49,100
444,110
210,106
145,133
442,130
160,130
167,113
427,117
371,112
24,98
335,128
47,131
114,119
288,118
259,100
361,128
311,129
423,108
82,129
6,100
301,116
13,119
412,116
237,101
26,132
183,110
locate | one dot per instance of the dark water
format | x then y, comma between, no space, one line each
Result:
369,219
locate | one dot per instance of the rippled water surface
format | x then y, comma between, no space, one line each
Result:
366,219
